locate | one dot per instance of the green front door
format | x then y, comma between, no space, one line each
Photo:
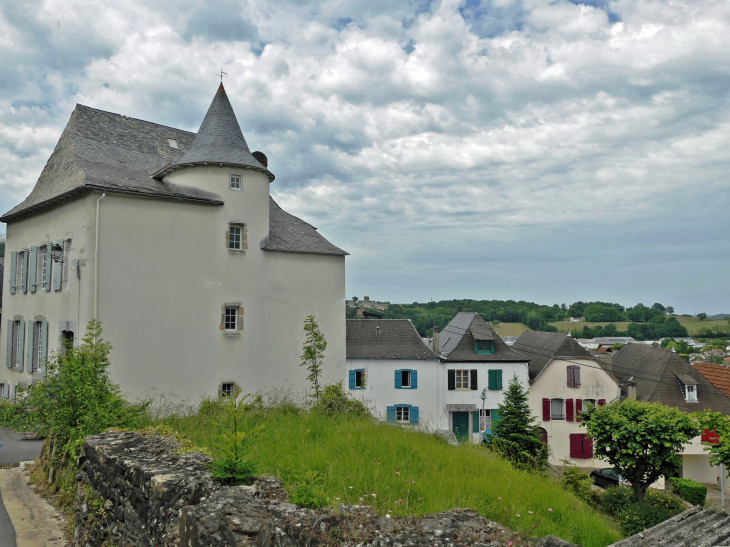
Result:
461,426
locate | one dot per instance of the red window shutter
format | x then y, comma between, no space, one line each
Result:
601,402
576,376
576,446
546,410
571,376
710,437
587,447
569,410
578,409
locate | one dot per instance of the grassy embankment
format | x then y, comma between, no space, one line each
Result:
357,457
510,329
693,325
567,325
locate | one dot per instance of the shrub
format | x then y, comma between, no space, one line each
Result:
310,493
662,499
579,483
334,400
640,516
689,490
617,498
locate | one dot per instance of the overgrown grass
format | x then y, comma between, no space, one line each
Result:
510,329
403,472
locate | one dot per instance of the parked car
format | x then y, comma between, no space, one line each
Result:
605,477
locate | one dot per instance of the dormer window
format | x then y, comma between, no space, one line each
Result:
483,346
690,394
235,183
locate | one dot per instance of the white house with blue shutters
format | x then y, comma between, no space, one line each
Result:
172,240
404,381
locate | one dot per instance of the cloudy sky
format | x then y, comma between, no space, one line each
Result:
545,150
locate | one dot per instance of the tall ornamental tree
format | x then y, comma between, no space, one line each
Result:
642,441
517,434
313,353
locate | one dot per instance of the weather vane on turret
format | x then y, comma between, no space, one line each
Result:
223,74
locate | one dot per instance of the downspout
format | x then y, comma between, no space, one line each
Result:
96,257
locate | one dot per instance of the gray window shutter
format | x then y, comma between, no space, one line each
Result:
223,318
44,338
240,318
32,268
58,273
13,266
9,362
21,352
49,268
576,375
31,344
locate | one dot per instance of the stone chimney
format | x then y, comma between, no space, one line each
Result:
436,341
631,388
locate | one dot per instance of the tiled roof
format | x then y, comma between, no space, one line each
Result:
691,528
719,375
656,372
541,347
457,340
219,141
385,339
290,234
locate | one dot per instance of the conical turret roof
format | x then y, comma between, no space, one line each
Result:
218,141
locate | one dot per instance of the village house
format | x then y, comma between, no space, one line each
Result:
457,388
171,240
660,375
565,380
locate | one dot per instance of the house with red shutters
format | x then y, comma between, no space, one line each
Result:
564,380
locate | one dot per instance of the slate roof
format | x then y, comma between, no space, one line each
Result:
219,140
385,339
541,347
457,340
719,375
691,528
657,374
100,150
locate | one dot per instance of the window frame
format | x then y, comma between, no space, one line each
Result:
489,350
16,349
232,244
404,410
35,365
553,403
690,393
360,378
239,182
406,373
228,389
20,271
459,375
226,321
42,266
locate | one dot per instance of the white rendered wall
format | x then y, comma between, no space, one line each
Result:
596,383
75,220
431,396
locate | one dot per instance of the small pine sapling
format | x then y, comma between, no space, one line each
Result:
231,464
313,355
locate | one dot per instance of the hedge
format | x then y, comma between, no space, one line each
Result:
689,490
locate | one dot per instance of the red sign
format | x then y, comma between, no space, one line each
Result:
710,437
481,426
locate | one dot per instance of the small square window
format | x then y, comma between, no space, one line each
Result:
235,238
403,414
462,379
405,378
228,389
231,319
690,393
359,378
235,182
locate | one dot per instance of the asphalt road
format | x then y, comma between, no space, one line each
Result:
16,449
7,532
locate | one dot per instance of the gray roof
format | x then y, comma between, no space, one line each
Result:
219,140
290,234
457,340
541,347
657,373
385,339
693,527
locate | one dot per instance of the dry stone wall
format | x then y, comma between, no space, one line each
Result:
136,491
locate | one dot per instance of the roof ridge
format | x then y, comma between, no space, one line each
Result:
79,105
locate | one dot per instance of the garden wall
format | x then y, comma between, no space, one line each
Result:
135,490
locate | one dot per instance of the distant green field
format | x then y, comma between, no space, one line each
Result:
510,329
693,325
567,325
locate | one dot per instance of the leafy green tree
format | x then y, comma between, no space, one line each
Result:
669,310
642,441
701,316
313,355
355,299
517,434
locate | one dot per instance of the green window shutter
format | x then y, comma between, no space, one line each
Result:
352,379
498,378
58,270
49,268
451,375
414,380
9,361
32,269
391,414
21,351
491,347
473,379
414,415
475,421
492,380
44,335
30,345
397,380
13,266
496,416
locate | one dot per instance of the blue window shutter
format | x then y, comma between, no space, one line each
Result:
13,266
414,415
49,268
352,379
32,268
496,416
498,378
9,362
21,352
397,379
391,414
414,380
58,270
44,335
30,345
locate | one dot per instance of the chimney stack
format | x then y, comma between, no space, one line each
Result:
632,389
436,344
